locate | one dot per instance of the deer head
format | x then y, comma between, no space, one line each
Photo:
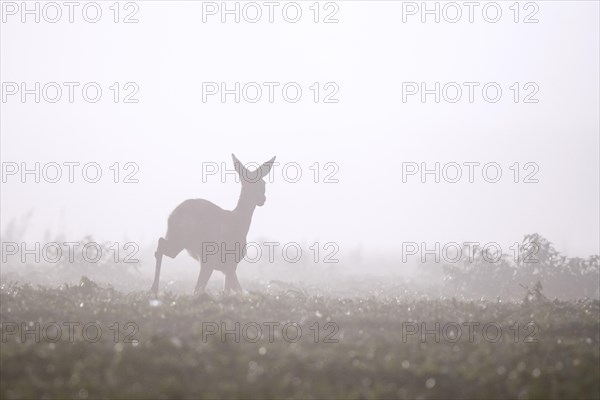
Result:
253,185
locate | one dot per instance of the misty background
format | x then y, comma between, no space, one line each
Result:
369,133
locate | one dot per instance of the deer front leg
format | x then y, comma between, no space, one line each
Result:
232,283
203,277
235,284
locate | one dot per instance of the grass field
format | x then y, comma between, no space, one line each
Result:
354,347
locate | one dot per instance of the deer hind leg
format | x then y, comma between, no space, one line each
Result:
168,248
203,277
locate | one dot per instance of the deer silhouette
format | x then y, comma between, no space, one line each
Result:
213,236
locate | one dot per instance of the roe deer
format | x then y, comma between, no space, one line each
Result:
211,235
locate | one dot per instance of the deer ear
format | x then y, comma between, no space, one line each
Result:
266,167
237,164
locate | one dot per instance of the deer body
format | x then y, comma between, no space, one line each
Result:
214,236
207,231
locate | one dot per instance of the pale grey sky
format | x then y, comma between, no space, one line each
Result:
368,134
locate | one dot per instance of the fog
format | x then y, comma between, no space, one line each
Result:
425,170
368,134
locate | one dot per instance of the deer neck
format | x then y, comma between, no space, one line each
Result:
243,212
